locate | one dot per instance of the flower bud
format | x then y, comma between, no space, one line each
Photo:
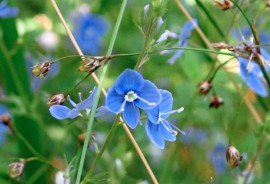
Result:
16,169
233,157
223,4
204,87
56,99
41,69
91,64
215,101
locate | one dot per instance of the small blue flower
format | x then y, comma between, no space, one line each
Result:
3,127
89,30
129,93
182,37
6,11
63,112
194,135
157,127
217,158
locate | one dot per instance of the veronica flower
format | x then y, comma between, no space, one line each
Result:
182,37
129,93
6,11
89,30
63,112
157,127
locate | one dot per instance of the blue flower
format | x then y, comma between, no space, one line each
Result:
129,93
217,157
3,128
252,76
182,37
6,11
157,127
63,112
89,30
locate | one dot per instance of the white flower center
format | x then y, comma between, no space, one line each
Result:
131,96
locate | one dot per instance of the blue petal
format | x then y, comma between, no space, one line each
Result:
114,101
3,109
59,111
6,11
131,115
87,103
150,93
73,113
187,29
153,133
166,103
166,131
252,78
129,80
176,55
3,130
153,114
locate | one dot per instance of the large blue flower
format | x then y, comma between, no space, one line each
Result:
63,112
89,30
6,11
157,127
129,93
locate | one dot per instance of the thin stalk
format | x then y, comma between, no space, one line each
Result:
138,64
98,157
211,18
104,71
79,83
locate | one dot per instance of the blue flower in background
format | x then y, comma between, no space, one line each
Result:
6,11
63,112
252,76
157,127
182,37
129,93
89,30
3,128
217,157
194,135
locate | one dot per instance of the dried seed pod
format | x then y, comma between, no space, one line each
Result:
233,157
216,101
41,69
204,87
223,4
16,169
56,99
5,119
267,4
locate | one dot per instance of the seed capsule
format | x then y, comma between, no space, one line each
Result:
16,169
204,87
233,157
216,101
41,69
56,99
224,4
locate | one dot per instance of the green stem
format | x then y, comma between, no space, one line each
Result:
104,71
217,69
211,18
138,64
90,172
79,83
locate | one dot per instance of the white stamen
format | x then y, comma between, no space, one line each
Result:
123,106
80,96
172,112
71,102
145,101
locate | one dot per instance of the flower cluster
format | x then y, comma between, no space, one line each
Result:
131,93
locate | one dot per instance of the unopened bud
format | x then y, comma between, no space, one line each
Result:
215,101
89,65
204,87
223,4
233,157
41,69
16,169
56,99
